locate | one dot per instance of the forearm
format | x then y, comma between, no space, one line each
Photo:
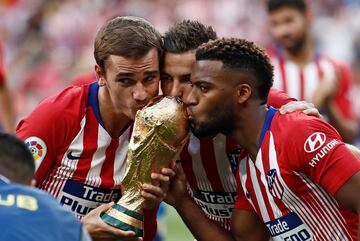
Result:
202,228
347,128
7,115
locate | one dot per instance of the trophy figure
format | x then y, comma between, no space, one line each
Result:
159,134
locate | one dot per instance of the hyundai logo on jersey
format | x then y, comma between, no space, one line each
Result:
81,198
275,187
289,227
314,142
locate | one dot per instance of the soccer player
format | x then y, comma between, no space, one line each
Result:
7,116
79,138
27,213
208,163
298,181
304,73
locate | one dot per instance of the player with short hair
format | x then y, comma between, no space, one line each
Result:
298,176
304,73
208,163
79,138
27,213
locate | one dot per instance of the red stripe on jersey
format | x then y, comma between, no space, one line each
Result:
209,163
319,70
186,163
302,85
283,74
249,186
90,146
107,169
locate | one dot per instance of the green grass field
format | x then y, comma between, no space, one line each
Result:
175,229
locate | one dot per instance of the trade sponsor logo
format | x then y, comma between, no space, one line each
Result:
216,204
289,228
82,198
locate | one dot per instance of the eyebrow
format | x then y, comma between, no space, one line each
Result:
130,74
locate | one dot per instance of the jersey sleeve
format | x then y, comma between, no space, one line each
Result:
2,66
318,151
278,98
48,131
342,97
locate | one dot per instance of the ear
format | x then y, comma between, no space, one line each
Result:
243,93
100,75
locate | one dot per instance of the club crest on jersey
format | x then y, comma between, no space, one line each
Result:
314,142
37,148
234,158
275,187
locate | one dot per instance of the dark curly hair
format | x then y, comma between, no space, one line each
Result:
274,5
187,35
244,56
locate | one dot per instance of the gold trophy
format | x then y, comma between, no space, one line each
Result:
159,134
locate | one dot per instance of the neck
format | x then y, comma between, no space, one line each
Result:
248,130
114,121
303,55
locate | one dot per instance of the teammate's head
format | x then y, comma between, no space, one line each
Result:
16,161
290,23
180,43
228,73
127,52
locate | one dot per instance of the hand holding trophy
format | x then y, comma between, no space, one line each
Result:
159,134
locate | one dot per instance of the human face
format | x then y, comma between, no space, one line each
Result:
131,82
289,27
210,104
175,76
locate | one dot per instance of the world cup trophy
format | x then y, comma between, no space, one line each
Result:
159,134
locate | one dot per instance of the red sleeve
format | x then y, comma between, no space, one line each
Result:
278,98
318,151
342,98
49,129
2,65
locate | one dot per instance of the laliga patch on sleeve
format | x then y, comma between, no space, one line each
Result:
37,148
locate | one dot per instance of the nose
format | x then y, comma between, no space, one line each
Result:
139,93
190,99
176,90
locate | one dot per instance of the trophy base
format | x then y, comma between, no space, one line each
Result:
122,218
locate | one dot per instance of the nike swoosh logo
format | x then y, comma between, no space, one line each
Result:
71,157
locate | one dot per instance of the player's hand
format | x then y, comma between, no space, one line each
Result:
99,230
155,193
306,107
326,91
177,188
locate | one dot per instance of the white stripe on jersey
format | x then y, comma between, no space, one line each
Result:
311,81
223,164
67,167
120,158
98,159
292,75
200,174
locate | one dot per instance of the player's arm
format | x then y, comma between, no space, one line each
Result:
349,195
286,104
247,226
6,106
354,150
202,228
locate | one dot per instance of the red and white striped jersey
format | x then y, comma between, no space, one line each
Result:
291,184
209,165
302,82
76,160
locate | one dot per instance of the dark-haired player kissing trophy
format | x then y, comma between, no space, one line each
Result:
160,132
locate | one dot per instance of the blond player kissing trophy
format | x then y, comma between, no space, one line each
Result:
160,132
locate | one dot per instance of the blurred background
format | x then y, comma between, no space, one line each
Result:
48,43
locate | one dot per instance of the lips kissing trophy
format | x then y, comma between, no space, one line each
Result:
159,134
